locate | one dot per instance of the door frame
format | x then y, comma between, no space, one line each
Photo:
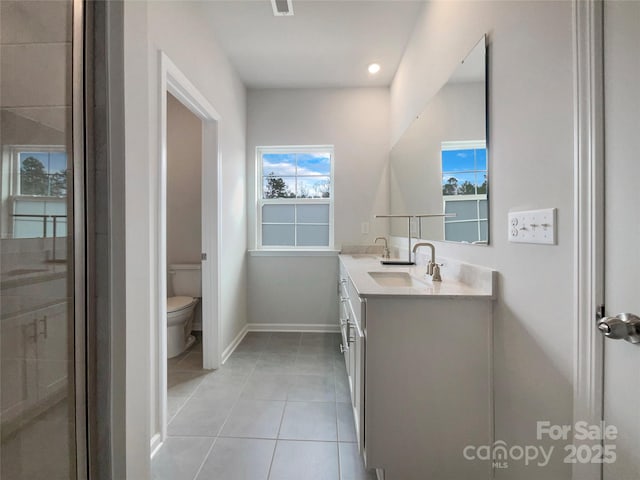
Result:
77,216
173,81
588,379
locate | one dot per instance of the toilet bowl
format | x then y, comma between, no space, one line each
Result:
180,312
185,282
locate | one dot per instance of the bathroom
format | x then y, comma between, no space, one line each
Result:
183,227
250,81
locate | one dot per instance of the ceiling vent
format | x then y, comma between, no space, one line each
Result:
282,8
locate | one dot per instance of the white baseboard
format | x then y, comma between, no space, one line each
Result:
232,346
156,443
293,327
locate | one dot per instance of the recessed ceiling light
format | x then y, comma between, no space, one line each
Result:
374,68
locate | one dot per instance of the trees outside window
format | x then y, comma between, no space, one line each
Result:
36,179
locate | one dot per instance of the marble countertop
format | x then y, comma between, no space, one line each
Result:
459,280
32,274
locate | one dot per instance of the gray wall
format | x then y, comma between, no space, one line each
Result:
182,32
356,122
184,178
531,166
293,291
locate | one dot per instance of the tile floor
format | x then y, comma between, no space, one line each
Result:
278,409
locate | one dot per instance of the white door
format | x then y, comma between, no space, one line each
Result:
210,212
622,230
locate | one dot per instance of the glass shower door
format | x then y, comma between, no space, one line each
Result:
38,328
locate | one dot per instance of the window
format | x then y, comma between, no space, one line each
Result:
39,191
295,197
464,190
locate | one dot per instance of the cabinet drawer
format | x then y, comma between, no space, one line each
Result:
345,313
343,271
343,290
357,306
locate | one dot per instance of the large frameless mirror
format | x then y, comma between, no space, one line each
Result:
38,373
440,164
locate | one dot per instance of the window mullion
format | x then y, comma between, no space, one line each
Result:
295,223
478,215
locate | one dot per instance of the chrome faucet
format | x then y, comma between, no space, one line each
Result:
386,253
433,268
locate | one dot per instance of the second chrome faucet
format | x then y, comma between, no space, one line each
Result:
433,268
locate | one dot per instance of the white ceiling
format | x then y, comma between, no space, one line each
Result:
326,43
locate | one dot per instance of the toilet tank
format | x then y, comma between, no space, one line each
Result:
186,279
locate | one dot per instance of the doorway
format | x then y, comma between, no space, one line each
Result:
184,234
174,83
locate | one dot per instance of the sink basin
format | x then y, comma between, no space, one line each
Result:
396,279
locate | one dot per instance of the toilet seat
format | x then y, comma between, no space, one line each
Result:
175,304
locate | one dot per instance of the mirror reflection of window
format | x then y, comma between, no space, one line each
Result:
38,192
464,190
439,163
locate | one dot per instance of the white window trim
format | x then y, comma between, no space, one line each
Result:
300,252
462,145
296,201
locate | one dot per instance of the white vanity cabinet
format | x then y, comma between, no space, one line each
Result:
352,320
34,344
428,387
421,373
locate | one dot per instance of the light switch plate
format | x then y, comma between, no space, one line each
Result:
364,228
533,226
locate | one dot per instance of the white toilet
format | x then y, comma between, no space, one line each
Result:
186,284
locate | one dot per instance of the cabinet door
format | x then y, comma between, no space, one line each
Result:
344,331
343,309
18,382
352,361
357,397
52,354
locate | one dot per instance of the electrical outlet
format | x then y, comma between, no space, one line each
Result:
413,227
533,226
